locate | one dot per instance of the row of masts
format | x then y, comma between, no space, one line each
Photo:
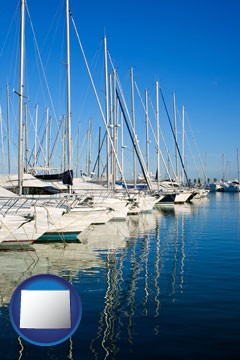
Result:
114,101
8,137
21,97
156,132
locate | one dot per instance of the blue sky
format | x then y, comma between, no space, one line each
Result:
191,47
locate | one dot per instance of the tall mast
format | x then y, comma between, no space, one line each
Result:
63,143
20,92
175,132
99,150
223,170
46,141
237,165
158,134
88,152
78,151
90,148
122,142
69,135
115,128
133,126
205,167
8,129
183,134
49,142
2,145
26,137
111,157
35,137
147,131
106,107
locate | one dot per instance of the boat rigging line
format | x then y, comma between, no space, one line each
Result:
140,156
98,102
133,142
155,138
174,136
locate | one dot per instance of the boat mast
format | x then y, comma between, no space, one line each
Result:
223,171
106,107
88,152
46,141
26,138
78,151
175,131
122,141
69,136
115,127
63,143
111,124
2,145
158,134
133,126
20,92
8,129
147,132
183,134
49,142
237,165
99,150
35,137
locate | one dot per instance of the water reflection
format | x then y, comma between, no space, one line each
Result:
144,263
134,281
157,274
182,258
21,348
70,353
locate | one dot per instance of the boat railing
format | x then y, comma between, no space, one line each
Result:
13,204
17,204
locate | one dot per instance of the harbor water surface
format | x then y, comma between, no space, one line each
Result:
161,285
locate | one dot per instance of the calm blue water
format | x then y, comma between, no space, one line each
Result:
164,285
